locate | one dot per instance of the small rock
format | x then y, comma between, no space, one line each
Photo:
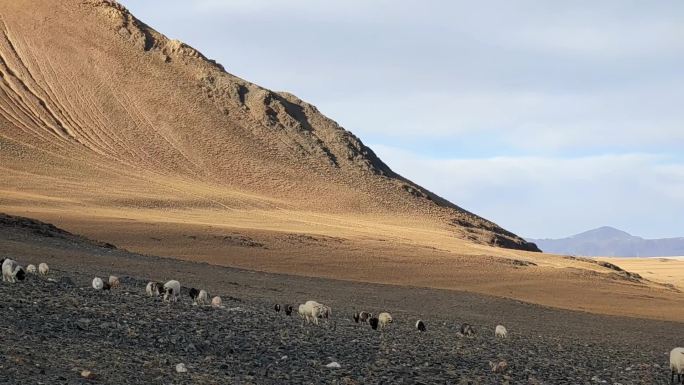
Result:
498,367
180,368
333,365
87,374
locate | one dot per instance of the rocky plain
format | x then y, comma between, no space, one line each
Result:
58,330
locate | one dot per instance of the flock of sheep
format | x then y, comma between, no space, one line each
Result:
310,311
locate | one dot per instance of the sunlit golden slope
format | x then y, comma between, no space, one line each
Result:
99,110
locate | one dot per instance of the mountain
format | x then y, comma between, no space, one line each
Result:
104,120
611,242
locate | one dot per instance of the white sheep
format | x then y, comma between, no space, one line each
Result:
203,297
114,281
31,269
384,319
11,271
154,289
677,364
43,268
216,301
311,311
98,284
172,290
500,331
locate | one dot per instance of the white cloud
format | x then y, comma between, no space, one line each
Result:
554,85
547,197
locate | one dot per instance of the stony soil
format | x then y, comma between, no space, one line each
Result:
52,331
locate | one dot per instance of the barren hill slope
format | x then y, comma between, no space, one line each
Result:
98,110
110,130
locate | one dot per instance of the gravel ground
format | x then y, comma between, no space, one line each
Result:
53,331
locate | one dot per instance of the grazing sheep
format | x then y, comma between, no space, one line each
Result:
194,293
356,317
500,331
364,316
420,325
98,284
43,268
288,309
467,330
31,269
11,271
385,319
277,308
203,297
216,301
311,311
172,290
373,322
677,364
114,281
154,289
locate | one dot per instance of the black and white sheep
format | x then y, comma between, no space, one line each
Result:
676,364
364,316
99,284
172,290
276,308
43,268
194,293
11,271
154,289
467,330
288,309
420,326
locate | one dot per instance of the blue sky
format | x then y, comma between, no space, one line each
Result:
549,118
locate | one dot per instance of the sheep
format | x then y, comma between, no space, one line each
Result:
288,309
172,290
676,364
356,317
467,330
420,326
364,316
11,271
43,268
194,293
276,308
31,269
500,331
203,297
114,281
385,319
154,289
373,322
216,301
311,311
99,284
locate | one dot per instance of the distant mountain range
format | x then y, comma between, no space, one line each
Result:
611,242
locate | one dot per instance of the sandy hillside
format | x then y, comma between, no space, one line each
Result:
111,130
